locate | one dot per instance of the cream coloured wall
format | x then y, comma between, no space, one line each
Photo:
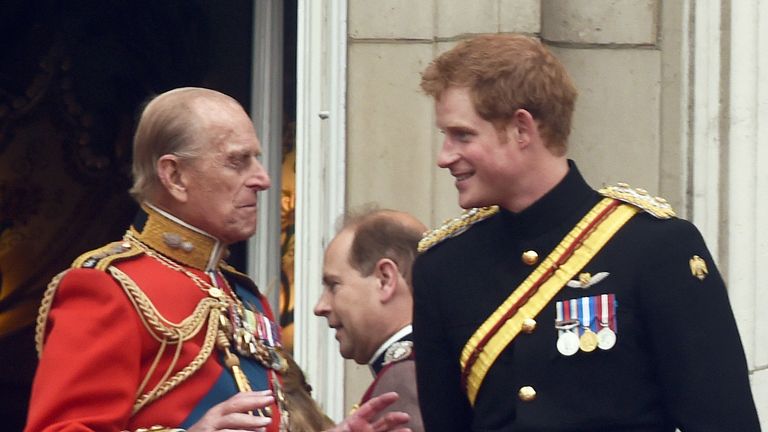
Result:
647,114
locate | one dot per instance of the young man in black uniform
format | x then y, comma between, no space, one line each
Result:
549,306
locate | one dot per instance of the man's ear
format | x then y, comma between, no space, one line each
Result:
522,128
171,176
388,275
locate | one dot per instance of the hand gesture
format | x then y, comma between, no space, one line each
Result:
362,420
233,414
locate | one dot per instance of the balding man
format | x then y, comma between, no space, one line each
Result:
367,300
156,332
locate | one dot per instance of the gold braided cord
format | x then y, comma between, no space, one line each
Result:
173,265
455,226
152,394
45,309
152,368
191,368
161,328
167,332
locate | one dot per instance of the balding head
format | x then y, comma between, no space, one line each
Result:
367,295
383,233
176,122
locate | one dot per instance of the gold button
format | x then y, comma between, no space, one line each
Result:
526,394
530,257
529,325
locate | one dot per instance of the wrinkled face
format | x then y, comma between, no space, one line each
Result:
224,181
482,159
349,302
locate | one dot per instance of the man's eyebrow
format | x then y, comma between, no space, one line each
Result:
242,153
458,129
329,278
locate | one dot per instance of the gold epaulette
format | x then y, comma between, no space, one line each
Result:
656,206
455,226
102,257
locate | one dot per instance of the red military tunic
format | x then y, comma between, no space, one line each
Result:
127,338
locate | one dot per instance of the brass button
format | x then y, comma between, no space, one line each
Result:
530,257
526,394
529,325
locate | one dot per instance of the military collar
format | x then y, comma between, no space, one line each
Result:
177,239
569,198
397,344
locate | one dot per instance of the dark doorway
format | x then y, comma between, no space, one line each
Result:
72,78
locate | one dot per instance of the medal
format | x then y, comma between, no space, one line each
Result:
568,343
606,338
567,339
588,340
254,335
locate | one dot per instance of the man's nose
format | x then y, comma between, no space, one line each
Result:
321,308
446,156
259,178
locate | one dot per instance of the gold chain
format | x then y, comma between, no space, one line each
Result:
222,342
206,287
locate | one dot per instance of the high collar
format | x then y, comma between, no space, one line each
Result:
177,239
377,361
560,204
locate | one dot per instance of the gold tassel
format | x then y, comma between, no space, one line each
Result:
233,363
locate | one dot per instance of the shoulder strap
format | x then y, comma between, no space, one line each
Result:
103,257
453,227
575,250
640,198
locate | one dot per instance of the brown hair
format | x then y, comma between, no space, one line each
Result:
505,73
382,233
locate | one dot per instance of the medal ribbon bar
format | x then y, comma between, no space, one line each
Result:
575,250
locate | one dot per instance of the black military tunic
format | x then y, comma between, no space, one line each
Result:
677,359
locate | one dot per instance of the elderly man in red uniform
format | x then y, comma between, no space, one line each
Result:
156,332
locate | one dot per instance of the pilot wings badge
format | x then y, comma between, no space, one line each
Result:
586,280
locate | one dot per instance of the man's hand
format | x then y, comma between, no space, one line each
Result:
362,420
232,414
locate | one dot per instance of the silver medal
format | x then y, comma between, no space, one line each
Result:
568,343
606,338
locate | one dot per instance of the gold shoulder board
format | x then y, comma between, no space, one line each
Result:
453,227
102,257
657,206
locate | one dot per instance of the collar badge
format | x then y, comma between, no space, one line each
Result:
398,351
174,241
